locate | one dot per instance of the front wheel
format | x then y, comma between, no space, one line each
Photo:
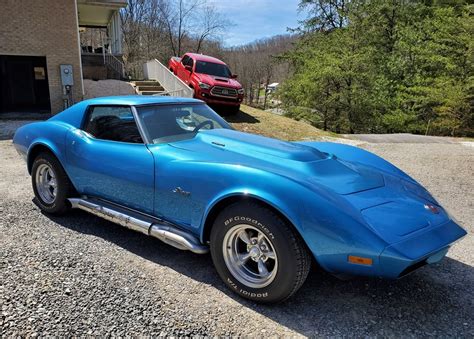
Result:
257,254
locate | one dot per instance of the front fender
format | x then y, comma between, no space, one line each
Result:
211,183
331,228
285,208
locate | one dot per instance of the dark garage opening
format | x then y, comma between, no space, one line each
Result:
24,84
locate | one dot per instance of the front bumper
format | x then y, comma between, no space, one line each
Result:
215,100
404,257
391,261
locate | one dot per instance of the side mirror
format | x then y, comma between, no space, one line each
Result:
233,76
188,68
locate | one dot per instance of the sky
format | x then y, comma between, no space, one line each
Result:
256,19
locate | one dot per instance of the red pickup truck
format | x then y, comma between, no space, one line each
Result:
211,80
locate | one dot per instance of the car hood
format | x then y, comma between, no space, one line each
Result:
218,81
292,160
391,206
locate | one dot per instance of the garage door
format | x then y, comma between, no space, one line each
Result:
23,84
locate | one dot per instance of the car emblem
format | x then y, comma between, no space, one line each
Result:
432,208
224,91
179,190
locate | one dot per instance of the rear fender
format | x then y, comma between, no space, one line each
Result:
31,137
44,144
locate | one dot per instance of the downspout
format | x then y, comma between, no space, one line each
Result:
79,48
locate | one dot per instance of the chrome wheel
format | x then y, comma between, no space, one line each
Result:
250,256
46,183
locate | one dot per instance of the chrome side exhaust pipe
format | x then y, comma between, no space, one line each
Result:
155,228
111,215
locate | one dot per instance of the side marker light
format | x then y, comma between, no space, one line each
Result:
359,260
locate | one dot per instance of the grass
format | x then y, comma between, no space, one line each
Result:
253,120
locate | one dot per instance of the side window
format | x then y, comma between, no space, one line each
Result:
185,60
191,62
114,123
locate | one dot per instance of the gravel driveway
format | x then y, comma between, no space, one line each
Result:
78,274
404,138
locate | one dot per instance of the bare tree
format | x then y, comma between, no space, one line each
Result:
211,24
168,18
258,64
132,23
178,20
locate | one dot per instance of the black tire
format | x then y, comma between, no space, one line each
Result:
294,259
64,189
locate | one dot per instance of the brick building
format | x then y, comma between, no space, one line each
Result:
37,37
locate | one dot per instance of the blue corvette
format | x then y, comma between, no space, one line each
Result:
173,169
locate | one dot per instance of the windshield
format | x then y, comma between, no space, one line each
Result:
169,123
211,68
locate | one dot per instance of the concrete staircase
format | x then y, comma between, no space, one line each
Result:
148,87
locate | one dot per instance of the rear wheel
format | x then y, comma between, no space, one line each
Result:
257,254
50,184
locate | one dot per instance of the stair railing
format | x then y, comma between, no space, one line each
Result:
174,86
115,64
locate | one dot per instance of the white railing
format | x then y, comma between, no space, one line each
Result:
155,70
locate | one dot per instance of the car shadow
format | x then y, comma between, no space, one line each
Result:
324,305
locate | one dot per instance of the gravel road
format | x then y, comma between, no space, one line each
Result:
79,275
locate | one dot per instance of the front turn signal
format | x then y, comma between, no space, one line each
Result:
360,260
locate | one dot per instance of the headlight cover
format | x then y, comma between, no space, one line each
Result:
203,85
240,91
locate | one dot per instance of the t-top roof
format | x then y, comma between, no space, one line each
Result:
74,114
136,100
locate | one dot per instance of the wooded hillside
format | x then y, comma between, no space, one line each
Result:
353,66
384,66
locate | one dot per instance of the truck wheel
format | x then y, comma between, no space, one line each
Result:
50,184
257,254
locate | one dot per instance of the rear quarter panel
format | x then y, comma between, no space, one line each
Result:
51,134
